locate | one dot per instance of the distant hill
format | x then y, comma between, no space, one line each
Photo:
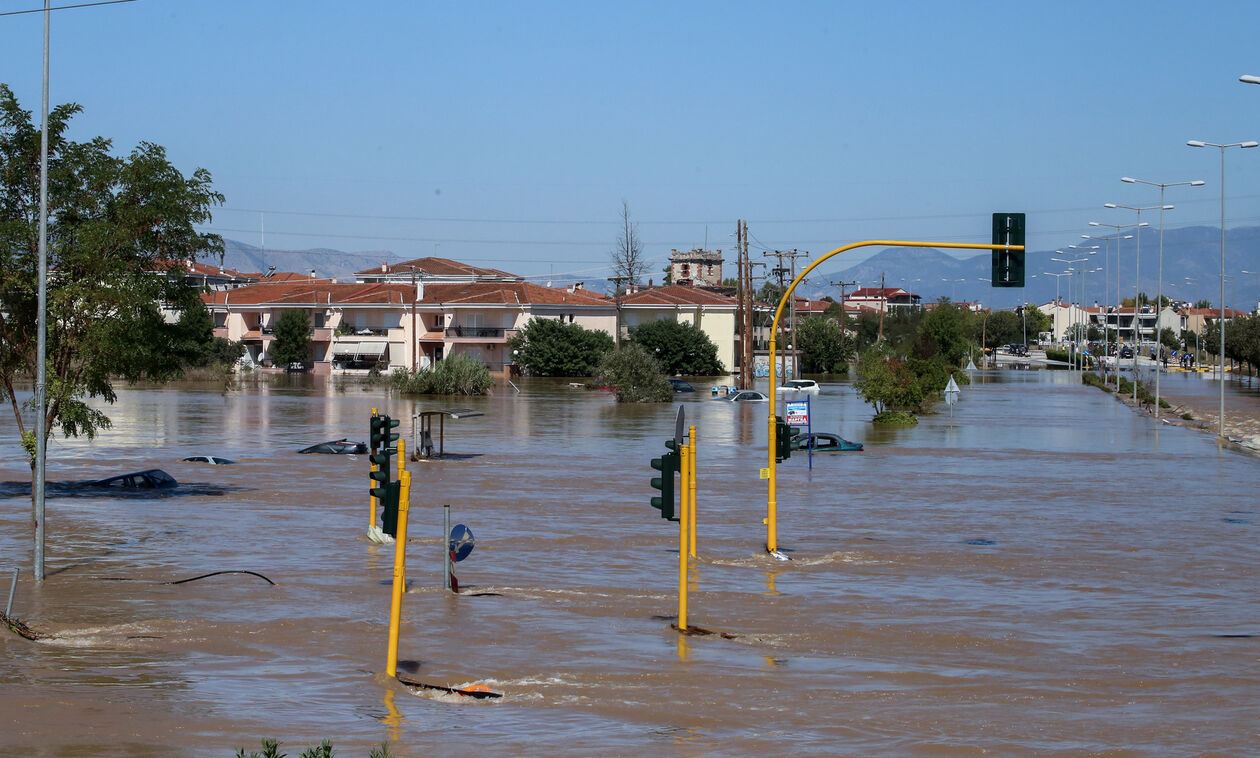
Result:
333,264
1190,252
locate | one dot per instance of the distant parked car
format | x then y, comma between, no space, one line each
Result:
679,385
337,447
152,479
1126,352
213,460
799,386
746,396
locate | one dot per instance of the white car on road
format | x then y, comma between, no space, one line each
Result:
798,386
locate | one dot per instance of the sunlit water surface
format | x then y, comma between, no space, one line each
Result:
1043,572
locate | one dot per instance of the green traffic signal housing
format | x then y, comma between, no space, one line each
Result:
668,464
380,435
782,440
1008,265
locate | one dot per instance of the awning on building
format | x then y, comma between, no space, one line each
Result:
371,349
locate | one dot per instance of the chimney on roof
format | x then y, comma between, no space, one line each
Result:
384,267
575,286
419,290
649,284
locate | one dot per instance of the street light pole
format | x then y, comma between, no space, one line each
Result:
1159,289
1137,331
1200,143
1071,311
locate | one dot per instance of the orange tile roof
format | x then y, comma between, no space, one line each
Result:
437,267
324,292
675,294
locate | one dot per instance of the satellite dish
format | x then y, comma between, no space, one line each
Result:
461,542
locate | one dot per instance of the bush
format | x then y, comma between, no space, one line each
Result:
546,347
898,418
1187,417
635,376
457,375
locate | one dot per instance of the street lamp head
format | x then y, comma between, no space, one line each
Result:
1094,223
1128,179
1249,79
1196,143
1197,183
1109,205
1249,143
1168,207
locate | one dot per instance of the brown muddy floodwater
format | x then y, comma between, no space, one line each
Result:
1046,573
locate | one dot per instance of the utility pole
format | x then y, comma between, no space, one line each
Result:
844,319
883,307
739,295
415,336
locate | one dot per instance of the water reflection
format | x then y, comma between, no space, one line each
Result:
952,573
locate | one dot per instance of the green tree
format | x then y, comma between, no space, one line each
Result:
547,347
680,349
1204,303
115,226
292,339
1038,322
635,376
886,382
1000,328
196,327
950,326
825,349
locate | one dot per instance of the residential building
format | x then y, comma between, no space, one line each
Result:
712,313
882,298
361,325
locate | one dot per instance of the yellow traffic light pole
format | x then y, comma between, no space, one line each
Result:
771,520
400,572
684,529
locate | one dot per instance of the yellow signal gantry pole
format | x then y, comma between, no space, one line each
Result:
771,520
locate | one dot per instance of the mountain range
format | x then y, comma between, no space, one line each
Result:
1191,269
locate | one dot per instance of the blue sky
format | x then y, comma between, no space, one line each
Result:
507,134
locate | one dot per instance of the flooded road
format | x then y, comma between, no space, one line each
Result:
1044,573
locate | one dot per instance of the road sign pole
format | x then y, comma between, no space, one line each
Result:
446,546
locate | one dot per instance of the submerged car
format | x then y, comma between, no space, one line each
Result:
337,447
799,386
679,385
153,479
213,460
746,396
824,442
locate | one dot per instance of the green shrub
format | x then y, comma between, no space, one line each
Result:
635,376
896,418
1187,417
457,375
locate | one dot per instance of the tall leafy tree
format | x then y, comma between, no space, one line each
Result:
825,348
680,349
547,347
292,338
117,229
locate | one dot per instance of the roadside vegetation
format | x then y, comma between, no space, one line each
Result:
547,347
457,375
118,225
634,376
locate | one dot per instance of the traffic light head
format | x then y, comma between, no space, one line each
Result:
782,440
380,431
668,464
1008,265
